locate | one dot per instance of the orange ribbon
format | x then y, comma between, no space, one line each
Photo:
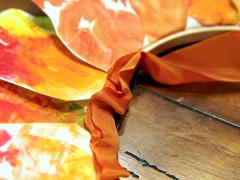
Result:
215,59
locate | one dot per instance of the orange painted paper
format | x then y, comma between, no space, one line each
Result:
160,17
41,137
35,58
213,12
98,32
19,105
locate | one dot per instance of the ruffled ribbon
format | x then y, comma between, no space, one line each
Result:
214,59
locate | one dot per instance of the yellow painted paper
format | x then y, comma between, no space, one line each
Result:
33,57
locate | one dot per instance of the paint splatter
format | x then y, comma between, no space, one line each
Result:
11,156
4,137
12,68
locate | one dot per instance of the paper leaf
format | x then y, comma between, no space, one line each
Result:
161,17
98,32
213,12
19,105
35,58
45,151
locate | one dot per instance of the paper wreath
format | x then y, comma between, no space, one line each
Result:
47,118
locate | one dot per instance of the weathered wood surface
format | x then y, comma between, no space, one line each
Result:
221,100
138,169
173,141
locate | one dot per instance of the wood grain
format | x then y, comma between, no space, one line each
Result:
184,143
221,100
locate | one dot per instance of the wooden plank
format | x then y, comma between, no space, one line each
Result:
217,99
138,170
184,143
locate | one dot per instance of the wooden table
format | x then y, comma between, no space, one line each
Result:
187,132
